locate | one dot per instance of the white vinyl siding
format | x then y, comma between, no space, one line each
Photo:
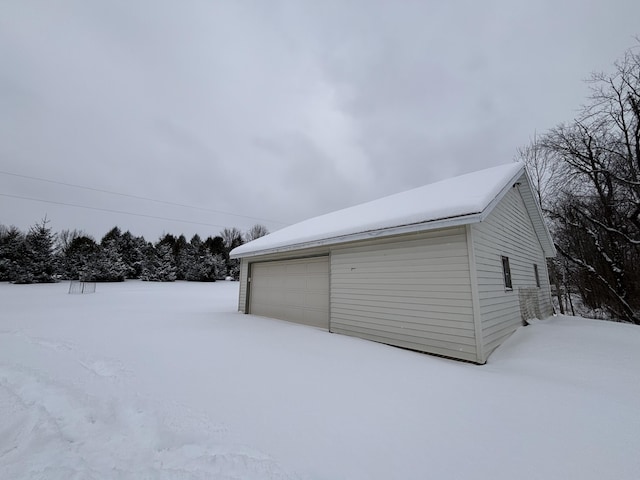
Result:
294,290
412,291
242,300
507,231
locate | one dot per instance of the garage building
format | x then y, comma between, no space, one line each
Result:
451,268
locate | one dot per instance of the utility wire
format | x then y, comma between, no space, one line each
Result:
136,197
111,211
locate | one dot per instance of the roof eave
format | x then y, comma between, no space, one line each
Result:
368,235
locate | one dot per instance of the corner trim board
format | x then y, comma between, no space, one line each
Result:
475,299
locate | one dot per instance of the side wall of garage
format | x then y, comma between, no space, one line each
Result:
412,291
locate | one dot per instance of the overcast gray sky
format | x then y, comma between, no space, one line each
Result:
276,111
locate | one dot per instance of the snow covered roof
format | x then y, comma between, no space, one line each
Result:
455,201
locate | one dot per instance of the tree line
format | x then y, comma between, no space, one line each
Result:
587,176
41,256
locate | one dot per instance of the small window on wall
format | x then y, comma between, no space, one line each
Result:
535,272
506,272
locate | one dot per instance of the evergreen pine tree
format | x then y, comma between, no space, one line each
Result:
200,264
37,263
132,251
166,265
158,264
108,265
112,236
220,266
11,248
215,245
78,258
180,253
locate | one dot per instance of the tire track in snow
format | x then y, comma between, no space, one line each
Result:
101,367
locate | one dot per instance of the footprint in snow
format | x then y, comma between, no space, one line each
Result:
54,430
103,368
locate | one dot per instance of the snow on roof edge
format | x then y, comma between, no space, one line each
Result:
450,199
369,234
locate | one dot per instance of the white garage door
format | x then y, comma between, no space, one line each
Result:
294,290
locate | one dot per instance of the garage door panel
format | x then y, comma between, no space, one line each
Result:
296,269
319,283
317,301
319,268
301,300
294,299
315,318
294,282
294,290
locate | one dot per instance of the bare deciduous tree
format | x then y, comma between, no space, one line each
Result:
587,174
232,238
256,231
65,238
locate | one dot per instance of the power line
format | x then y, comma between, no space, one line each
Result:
137,197
112,211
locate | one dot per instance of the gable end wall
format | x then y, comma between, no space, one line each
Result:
507,231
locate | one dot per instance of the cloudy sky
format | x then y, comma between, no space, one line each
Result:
139,113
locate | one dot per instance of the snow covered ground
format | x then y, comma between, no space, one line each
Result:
167,381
